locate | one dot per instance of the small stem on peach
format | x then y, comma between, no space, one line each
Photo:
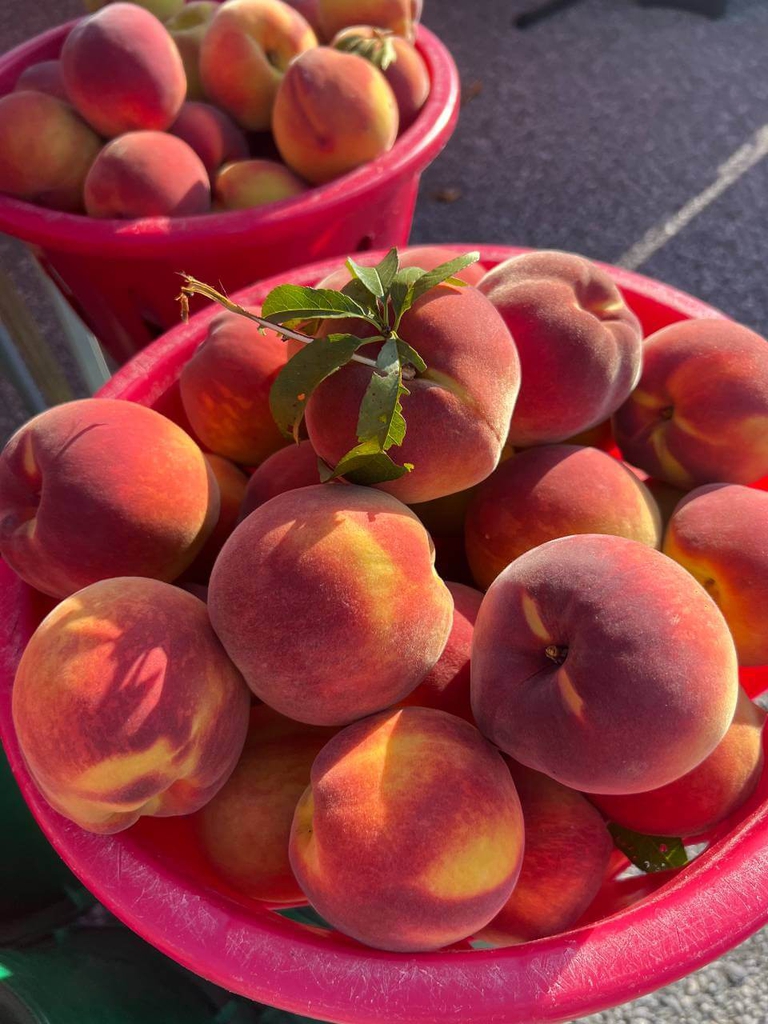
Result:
556,653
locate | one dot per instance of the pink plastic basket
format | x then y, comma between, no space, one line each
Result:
121,276
155,880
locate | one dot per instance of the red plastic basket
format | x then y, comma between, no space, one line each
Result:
154,879
122,276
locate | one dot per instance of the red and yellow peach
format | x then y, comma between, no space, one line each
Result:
187,29
211,133
232,486
399,16
46,76
246,183
285,470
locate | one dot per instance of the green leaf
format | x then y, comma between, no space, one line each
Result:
367,465
305,915
380,50
290,302
401,290
302,373
445,272
410,355
381,414
376,280
649,853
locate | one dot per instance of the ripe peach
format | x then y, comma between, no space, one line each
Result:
285,470
225,389
187,29
46,151
211,134
399,16
446,686
162,9
123,72
232,485
719,533
705,796
126,704
327,600
410,836
550,492
246,183
333,112
407,74
99,488
246,827
310,10
245,54
567,850
457,411
576,337
44,77
699,414
600,662
147,174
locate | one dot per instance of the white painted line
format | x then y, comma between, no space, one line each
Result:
745,157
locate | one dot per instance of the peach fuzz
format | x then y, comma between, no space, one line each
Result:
246,52
285,470
699,414
162,9
719,533
211,133
705,796
147,174
123,72
46,76
410,836
327,600
550,492
232,486
125,704
247,183
577,340
446,686
407,75
81,500
187,29
245,829
333,112
567,851
225,389
600,662
46,151
399,16
457,411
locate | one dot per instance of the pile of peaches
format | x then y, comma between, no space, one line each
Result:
422,761
224,106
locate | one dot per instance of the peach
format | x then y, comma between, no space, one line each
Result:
187,29
44,77
407,74
46,151
666,497
327,600
147,174
285,470
246,52
600,436
699,414
719,533
211,134
410,835
123,72
457,411
225,389
98,488
567,850
247,183
232,486
245,829
580,345
333,112
705,796
309,10
399,16
125,704
446,686
600,662
162,9
550,492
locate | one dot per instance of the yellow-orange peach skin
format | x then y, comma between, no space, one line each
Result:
187,29
699,414
410,836
399,16
98,488
719,533
600,662
550,492
243,184
327,600
125,704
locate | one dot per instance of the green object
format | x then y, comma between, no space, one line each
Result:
37,891
649,853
